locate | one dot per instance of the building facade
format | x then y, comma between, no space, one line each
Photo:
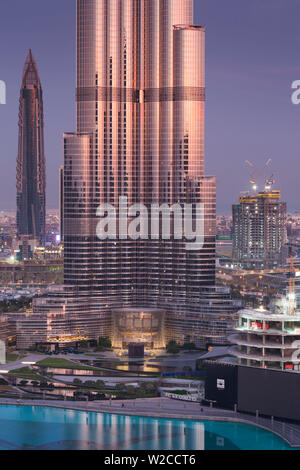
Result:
259,230
61,203
140,105
267,340
140,134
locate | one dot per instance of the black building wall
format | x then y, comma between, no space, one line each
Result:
221,384
271,392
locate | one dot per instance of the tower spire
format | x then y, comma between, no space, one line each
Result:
30,71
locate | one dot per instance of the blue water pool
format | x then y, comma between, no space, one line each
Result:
23,427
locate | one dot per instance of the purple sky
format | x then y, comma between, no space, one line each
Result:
253,49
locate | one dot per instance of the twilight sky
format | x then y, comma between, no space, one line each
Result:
252,58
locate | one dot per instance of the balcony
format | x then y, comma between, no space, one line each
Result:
260,357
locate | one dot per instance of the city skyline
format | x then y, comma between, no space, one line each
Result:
257,80
134,299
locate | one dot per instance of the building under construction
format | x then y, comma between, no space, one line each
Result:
271,338
259,226
259,231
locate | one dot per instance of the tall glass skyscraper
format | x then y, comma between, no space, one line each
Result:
140,134
31,172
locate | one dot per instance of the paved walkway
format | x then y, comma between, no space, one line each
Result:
166,408
31,357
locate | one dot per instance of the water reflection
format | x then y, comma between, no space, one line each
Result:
46,428
127,366
109,369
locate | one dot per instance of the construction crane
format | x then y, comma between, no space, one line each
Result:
292,288
260,175
269,182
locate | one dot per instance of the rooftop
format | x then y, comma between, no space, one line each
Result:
190,27
261,314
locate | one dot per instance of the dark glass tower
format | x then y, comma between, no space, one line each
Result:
31,173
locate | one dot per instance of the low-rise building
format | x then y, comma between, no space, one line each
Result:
267,340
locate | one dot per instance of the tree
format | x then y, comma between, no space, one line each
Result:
130,390
119,387
44,385
100,384
172,347
189,346
89,383
151,387
104,342
148,388
77,382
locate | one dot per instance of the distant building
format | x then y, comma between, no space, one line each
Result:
4,328
259,230
44,270
61,203
25,247
31,173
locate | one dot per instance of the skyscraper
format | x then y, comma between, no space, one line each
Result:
31,173
140,134
259,230
140,102
61,203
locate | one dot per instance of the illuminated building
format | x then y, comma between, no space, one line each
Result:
25,247
4,328
31,172
44,270
140,134
268,340
271,339
133,326
61,203
259,230
140,108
